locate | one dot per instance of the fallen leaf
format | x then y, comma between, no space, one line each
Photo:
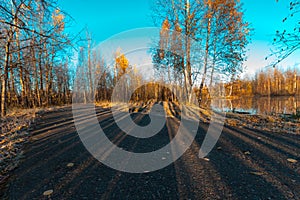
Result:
70,164
247,153
292,160
48,192
257,173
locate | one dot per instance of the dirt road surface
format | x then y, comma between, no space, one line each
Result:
245,164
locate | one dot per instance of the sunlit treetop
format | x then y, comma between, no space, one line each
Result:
58,20
121,61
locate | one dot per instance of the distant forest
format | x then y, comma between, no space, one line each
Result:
269,82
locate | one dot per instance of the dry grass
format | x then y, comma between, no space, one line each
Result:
13,136
104,104
272,123
14,133
167,109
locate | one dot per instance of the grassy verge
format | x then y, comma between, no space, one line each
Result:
14,134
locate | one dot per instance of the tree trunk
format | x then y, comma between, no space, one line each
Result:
4,81
41,88
21,71
91,89
295,83
206,57
14,95
269,86
187,69
35,67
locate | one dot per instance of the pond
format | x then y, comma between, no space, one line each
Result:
259,105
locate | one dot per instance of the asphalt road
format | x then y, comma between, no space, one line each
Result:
245,164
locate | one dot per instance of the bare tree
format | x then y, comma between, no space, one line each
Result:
286,43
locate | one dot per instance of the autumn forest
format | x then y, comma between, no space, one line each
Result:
36,68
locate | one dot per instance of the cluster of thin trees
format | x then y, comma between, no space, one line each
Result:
275,82
96,79
33,50
268,82
99,81
200,42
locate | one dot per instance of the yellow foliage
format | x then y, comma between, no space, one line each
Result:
58,20
122,62
177,27
166,25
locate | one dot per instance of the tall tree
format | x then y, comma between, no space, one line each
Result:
184,19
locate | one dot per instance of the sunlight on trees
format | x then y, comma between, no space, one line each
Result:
269,82
201,48
213,37
122,62
33,70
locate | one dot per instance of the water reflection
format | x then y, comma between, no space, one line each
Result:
259,105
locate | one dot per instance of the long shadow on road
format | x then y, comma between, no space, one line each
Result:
228,174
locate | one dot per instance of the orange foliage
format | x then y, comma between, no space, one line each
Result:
166,25
58,20
164,36
122,62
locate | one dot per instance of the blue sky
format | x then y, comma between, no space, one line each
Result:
107,18
266,17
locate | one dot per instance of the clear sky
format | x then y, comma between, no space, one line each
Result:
266,17
107,18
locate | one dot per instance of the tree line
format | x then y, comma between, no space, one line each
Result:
33,54
267,82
